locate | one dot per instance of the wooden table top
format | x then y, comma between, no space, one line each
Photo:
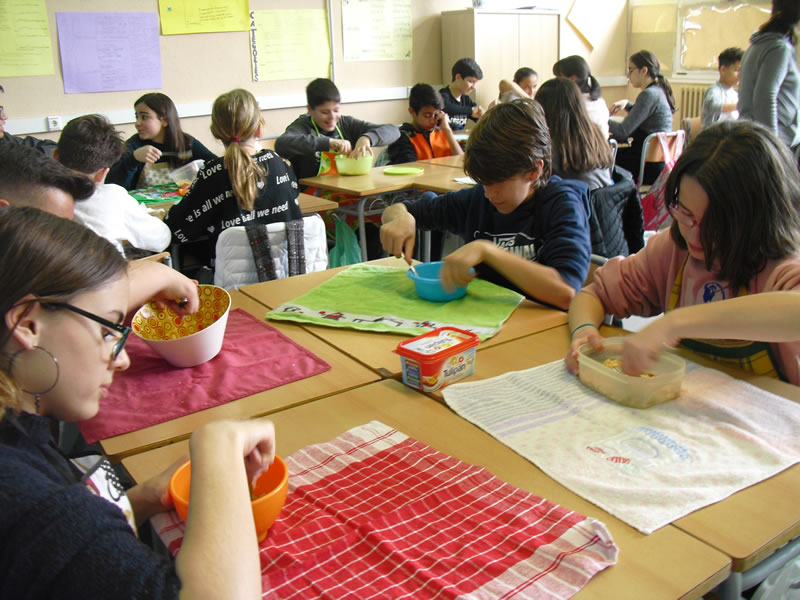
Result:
374,182
667,564
375,349
345,373
456,160
441,180
757,532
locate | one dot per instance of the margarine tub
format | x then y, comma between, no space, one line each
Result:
438,358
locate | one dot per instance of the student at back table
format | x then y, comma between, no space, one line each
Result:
44,146
429,134
90,145
325,129
525,228
457,104
720,100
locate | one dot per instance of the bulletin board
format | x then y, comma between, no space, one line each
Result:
196,68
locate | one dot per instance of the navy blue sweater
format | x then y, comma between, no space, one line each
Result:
58,539
551,228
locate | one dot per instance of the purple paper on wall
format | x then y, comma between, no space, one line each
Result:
109,52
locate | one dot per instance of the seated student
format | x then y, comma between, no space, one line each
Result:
652,112
90,145
144,162
736,235
429,134
245,187
67,525
324,129
522,86
457,104
525,229
44,146
577,69
579,150
720,100
29,178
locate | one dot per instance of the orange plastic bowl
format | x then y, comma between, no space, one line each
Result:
270,487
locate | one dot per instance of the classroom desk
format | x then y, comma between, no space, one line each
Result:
374,349
748,526
667,564
308,204
345,373
456,160
441,180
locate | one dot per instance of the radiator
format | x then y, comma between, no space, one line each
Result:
690,103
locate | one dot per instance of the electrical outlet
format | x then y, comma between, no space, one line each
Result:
54,124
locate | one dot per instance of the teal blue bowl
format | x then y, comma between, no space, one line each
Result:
429,285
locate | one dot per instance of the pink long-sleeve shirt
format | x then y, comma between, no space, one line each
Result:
641,285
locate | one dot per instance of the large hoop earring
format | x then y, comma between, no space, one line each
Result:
36,393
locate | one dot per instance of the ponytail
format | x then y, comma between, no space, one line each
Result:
244,173
594,89
235,118
662,82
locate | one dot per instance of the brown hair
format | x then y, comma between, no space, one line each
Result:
645,58
47,257
576,140
784,18
753,189
235,118
89,143
174,138
507,141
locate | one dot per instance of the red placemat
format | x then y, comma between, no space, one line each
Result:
376,514
254,357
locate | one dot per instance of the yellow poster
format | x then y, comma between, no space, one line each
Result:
24,39
289,44
376,29
203,16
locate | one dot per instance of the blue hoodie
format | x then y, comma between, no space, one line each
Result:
550,228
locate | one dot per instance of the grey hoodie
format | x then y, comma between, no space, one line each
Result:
769,87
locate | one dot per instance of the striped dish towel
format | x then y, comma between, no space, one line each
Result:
376,514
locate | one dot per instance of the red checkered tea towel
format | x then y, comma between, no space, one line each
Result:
376,514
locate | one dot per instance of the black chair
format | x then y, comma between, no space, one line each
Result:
615,224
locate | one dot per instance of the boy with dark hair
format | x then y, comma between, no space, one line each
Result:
90,145
457,104
46,147
525,229
29,178
324,129
720,100
428,135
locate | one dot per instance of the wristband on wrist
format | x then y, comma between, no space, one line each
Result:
572,335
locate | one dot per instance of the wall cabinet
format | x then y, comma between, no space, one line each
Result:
501,42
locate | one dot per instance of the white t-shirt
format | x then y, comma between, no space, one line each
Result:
115,215
598,113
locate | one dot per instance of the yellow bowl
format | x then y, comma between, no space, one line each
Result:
353,166
188,340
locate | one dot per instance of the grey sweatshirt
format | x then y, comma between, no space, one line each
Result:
769,86
301,144
649,114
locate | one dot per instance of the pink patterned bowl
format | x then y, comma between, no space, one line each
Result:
189,340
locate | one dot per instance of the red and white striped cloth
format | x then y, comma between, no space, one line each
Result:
376,514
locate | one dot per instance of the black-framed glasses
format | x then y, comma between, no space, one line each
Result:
121,329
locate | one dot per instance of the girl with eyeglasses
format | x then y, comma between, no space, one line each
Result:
726,273
66,525
651,112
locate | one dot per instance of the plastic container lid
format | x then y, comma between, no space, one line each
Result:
439,343
630,390
403,171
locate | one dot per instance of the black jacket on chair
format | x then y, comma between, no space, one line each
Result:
616,226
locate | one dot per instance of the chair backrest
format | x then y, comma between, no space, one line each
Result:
614,147
691,127
234,265
652,153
